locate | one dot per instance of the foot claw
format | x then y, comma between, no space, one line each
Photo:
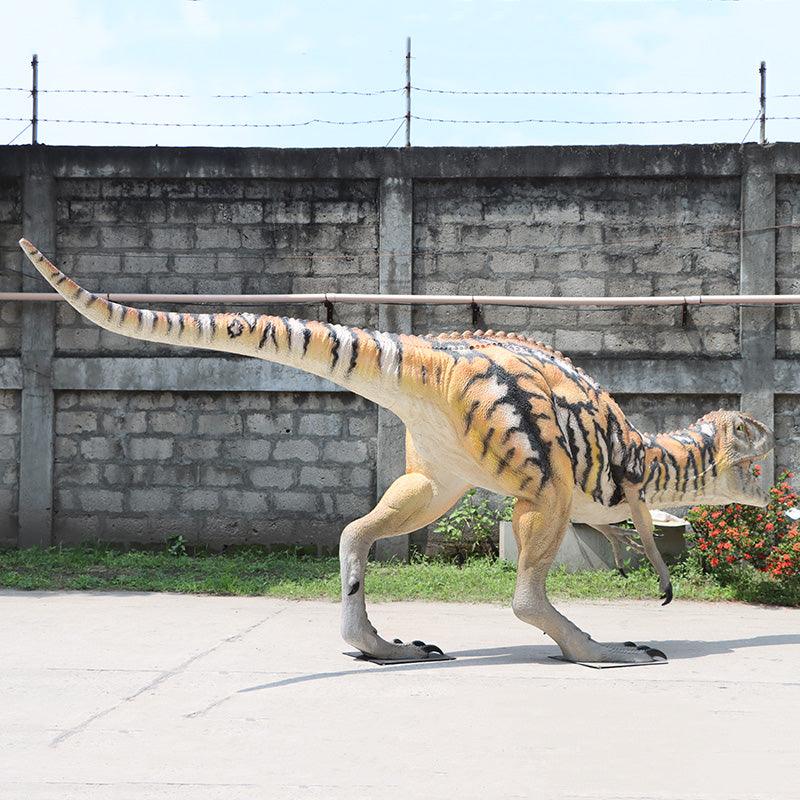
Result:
622,572
667,596
418,643
432,648
631,644
398,641
654,652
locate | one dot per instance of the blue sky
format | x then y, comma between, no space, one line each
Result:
207,47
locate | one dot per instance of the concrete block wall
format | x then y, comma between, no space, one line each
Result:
787,208
10,313
150,442
196,236
591,237
216,468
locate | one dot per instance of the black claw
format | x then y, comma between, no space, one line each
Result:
655,653
354,588
622,572
398,641
432,648
630,644
418,643
667,596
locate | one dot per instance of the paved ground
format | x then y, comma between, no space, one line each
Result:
164,696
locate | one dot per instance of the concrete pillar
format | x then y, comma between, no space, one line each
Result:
38,342
757,276
395,264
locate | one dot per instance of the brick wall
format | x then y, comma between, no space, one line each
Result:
10,263
583,237
221,468
787,255
293,467
9,455
213,237
787,433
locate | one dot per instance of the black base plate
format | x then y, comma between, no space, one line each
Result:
608,664
359,656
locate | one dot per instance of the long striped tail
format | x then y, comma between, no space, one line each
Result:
365,362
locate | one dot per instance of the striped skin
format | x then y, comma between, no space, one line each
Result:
495,409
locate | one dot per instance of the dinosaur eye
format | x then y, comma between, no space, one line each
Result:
740,428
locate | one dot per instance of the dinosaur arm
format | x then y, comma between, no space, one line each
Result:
643,523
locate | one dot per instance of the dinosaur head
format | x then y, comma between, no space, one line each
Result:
738,441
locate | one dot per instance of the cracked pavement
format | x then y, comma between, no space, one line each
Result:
126,695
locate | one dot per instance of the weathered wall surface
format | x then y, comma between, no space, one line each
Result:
10,281
9,473
223,450
10,263
215,468
213,237
590,237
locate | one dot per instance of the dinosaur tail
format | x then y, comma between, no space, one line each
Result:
366,362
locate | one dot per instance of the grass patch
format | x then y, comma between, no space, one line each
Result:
255,572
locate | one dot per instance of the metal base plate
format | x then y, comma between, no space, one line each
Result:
609,664
359,656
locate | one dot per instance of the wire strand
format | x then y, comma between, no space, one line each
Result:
583,92
19,134
585,121
209,124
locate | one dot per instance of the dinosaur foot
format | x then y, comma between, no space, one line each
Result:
427,648
616,652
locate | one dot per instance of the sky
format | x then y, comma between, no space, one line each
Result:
203,48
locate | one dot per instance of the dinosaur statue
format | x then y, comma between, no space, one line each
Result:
493,410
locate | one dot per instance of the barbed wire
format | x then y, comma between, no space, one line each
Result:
581,92
209,124
398,89
136,93
320,121
544,121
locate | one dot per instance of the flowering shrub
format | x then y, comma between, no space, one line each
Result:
765,538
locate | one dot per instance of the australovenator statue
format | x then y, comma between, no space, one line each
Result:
493,410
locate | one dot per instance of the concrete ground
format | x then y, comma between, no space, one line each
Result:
166,696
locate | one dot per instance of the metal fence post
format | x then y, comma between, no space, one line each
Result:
408,92
763,72
35,101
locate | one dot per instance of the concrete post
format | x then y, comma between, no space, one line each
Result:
757,276
395,264
38,342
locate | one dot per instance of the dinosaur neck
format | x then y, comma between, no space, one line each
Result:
680,468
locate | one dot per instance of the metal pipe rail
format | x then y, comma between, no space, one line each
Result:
424,299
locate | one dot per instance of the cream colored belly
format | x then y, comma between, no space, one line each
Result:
442,448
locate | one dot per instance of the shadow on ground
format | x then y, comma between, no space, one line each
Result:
675,649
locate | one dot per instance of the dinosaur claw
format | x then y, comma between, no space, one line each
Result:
418,643
622,572
654,652
432,648
667,596
398,641
631,644
354,588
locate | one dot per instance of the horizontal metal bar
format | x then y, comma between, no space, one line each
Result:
425,299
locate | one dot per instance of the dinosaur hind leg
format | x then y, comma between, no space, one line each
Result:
539,529
411,502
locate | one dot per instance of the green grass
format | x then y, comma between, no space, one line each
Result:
254,572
